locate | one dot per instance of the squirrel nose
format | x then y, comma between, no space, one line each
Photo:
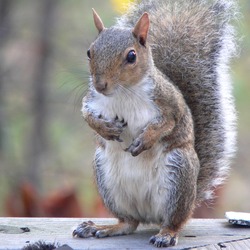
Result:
101,86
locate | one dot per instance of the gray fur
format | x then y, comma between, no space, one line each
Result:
109,37
146,162
192,43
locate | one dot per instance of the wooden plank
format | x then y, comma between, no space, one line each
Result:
233,245
198,234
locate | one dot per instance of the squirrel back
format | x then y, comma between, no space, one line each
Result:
192,43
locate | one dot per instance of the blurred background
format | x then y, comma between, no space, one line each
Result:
46,149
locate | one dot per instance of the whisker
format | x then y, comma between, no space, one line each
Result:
131,91
83,91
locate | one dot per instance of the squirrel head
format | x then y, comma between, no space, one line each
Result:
119,57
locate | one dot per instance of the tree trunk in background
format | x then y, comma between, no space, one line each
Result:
5,6
38,144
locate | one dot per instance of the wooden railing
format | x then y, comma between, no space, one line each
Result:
16,233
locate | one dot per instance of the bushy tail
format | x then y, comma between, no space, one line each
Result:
192,43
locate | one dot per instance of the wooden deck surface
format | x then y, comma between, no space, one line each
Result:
15,233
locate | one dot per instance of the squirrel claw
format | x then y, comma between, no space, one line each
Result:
114,138
110,129
165,240
136,147
121,123
124,124
85,230
119,139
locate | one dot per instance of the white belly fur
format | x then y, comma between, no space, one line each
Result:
137,184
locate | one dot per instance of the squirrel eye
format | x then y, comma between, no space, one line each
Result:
88,53
131,56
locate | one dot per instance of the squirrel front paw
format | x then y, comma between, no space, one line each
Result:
110,129
136,147
139,145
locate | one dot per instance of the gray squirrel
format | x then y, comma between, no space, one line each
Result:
160,103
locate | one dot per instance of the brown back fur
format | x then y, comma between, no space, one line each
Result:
192,42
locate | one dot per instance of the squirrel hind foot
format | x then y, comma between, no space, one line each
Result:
164,239
90,229
85,230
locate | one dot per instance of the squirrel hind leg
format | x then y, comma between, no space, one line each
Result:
90,229
165,238
182,165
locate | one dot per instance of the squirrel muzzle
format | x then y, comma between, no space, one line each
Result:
101,87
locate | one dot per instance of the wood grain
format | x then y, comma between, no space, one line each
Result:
199,234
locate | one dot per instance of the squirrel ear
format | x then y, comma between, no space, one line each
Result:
98,21
140,30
